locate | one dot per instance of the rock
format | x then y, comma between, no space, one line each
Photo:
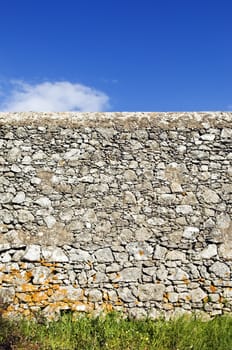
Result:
32,253
4,247
6,216
225,251
50,221
43,202
223,221
15,168
66,215
80,255
129,198
179,275
176,187
143,234
104,255
40,274
150,291
226,134
14,154
190,232
175,255
130,175
7,295
160,252
209,196
25,216
220,269
54,254
197,295
208,252
19,198
6,197
140,250
184,209
95,295
129,274
6,257
126,295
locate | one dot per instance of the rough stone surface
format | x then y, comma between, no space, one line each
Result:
124,211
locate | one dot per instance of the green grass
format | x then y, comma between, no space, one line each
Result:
116,333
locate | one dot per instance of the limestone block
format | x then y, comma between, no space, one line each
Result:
40,274
19,198
126,295
197,295
129,274
175,255
151,291
104,255
43,202
32,253
184,209
220,269
190,232
54,254
208,252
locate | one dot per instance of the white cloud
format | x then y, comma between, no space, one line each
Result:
53,97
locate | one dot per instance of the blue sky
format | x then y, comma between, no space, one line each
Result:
116,55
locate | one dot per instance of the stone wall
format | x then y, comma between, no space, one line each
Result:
125,211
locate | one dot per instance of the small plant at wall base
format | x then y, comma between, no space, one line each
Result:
113,332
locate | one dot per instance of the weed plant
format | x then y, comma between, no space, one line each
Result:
113,332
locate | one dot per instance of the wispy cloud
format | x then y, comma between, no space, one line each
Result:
53,97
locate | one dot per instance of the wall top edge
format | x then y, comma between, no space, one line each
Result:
125,120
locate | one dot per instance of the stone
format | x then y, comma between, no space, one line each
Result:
143,234
126,295
80,255
129,274
130,175
50,221
223,221
209,196
140,250
19,198
66,215
179,275
176,187
32,253
25,216
6,197
159,252
220,269
104,255
197,295
95,295
7,296
15,168
40,274
225,251
175,255
129,198
6,257
54,254
6,216
190,232
150,291
226,134
4,247
14,154
43,202
208,252
184,209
